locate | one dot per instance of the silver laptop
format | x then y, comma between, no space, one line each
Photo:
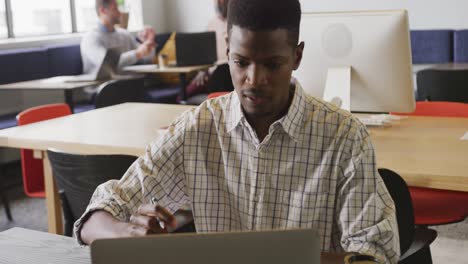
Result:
105,71
301,246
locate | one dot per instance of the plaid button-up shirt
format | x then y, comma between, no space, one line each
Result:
315,169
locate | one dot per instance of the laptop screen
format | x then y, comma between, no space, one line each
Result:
196,48
301,246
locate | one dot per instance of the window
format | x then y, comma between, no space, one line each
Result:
32,18
135,21
3,21
86,17
24,18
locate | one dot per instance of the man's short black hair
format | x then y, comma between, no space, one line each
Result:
102,3
265,15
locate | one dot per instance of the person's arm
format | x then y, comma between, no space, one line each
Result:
147,220
365,210
124,207
139,52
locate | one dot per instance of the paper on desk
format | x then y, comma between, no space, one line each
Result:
465,137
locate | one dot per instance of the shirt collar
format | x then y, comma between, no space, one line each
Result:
291,122
103,28
235,114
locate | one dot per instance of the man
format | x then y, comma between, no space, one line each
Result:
106,35
266,156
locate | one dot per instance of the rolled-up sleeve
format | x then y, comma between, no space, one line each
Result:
366,212
157,174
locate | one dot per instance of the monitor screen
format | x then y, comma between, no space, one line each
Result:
361,58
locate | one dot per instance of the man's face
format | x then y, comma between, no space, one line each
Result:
261,64
112,13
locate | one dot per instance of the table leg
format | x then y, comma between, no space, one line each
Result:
183,84
54,209
69,98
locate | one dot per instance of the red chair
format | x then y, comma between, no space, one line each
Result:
33,171
432,206
216,94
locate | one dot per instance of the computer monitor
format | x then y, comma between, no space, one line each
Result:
361,59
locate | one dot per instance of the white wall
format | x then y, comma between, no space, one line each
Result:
193,15
154,14
424,14
189,15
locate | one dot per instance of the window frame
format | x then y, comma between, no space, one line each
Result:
10,36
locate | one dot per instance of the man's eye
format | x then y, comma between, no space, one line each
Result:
241,63
273,65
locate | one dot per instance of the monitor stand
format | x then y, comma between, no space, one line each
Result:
338,87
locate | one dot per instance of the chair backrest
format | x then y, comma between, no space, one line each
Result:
120,91
216,94
220,79
442,85
33,175
79,175
400,194
443,109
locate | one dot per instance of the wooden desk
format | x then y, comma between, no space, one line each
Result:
120,129
53,83
23,246
425,151
182,71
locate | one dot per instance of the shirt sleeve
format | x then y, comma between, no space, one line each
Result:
157,174
130,57
365,210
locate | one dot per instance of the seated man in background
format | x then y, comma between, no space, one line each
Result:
107,35
201,83
267,156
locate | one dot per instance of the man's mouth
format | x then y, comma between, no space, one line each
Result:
256,100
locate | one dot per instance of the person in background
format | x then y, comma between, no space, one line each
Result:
266,156
107,35
199,84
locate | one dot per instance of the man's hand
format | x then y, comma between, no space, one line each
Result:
150,219
147,220
147,34
145,49
201,79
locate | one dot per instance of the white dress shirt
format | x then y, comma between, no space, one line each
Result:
315,169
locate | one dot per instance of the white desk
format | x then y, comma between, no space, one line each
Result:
425,151
53,83
24,246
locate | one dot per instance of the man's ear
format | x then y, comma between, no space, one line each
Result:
102,10
298,55
227,47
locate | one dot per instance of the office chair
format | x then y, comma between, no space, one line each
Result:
220,82
414,241
433,206
77,176
120,91
442,85
33,170
3,196
216,94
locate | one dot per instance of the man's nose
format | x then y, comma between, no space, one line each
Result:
256,75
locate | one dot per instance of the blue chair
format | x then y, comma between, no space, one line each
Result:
460,46
64,60
431,46
23,65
